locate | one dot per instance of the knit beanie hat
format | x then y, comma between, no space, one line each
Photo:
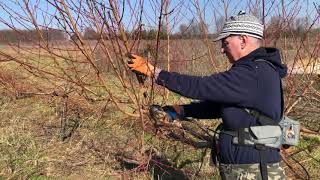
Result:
241,24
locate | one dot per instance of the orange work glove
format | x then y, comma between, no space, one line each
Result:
141,65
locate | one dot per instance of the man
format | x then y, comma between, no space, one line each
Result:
252,82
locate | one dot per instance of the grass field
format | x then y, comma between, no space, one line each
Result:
81,134
31,146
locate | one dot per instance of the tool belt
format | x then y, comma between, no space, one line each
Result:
269,135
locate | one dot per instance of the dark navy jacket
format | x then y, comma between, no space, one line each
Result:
248,83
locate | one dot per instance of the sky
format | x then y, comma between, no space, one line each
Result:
14,12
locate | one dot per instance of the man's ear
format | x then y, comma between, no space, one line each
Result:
244,41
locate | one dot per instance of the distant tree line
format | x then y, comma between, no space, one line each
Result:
186,31
276,27
31,35
297,27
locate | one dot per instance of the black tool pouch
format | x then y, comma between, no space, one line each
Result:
214,153
215,149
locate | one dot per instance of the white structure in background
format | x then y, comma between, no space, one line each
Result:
300,68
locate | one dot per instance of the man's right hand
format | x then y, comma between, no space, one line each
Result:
173,112
166,113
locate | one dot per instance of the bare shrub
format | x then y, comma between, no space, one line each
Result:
75,52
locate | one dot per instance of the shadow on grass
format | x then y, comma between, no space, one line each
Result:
159,167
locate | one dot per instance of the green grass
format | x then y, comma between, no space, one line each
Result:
19,151
307,155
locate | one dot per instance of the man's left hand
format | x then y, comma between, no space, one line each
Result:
140,65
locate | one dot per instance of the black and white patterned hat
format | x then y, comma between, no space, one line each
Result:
241,24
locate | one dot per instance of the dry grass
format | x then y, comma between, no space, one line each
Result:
96,134
31,145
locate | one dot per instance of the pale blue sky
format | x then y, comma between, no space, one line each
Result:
182,11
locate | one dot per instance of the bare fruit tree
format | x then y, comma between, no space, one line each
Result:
76,52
